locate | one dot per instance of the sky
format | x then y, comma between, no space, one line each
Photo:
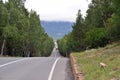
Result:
57,10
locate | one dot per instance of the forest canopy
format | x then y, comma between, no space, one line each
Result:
100,26
21,33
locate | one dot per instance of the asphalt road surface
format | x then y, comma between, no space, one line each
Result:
54,67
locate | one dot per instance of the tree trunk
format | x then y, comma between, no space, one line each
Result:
28,55
2,47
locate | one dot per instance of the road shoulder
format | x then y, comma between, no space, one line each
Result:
76,73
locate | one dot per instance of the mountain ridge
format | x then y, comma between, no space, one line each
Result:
57,29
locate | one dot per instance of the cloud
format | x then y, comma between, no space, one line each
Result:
64,10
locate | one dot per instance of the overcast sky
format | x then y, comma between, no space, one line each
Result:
58,10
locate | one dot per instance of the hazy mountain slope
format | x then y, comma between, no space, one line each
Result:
57,29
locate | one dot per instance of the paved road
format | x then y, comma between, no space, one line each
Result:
36,68
62,70
55,53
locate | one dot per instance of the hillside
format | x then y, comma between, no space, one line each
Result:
89,63
57,29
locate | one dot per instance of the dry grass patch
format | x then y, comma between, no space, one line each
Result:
89,61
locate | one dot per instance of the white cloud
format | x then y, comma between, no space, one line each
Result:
65,10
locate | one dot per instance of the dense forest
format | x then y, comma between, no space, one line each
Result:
101,26
21,33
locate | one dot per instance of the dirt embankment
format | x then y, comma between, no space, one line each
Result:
76,73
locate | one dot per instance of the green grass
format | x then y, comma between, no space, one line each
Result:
88,62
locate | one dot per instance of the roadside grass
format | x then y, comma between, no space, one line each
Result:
88,63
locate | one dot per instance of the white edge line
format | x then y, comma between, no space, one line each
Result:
52,70
12,62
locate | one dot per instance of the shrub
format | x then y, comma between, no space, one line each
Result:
96,37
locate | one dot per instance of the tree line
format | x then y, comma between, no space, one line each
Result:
100,27
21,33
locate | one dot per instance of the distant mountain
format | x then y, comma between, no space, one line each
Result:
57,29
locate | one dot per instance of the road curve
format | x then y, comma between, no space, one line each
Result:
28,69
35,68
